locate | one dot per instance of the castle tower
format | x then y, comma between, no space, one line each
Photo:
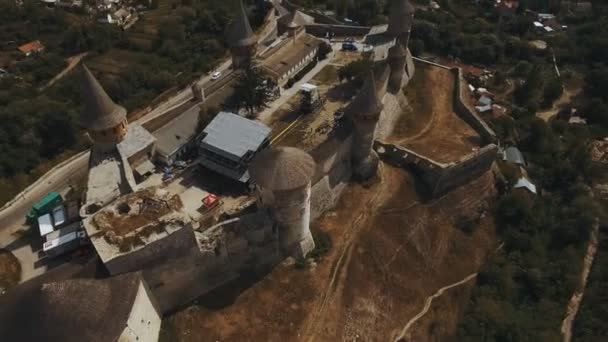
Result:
286,173
397,62
365,111
242,41
105,121
401,19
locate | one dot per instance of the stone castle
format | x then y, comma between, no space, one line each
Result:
181,254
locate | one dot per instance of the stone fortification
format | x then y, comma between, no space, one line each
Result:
439,178
467,114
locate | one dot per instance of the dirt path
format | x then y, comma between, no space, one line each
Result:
72,62
346,252
577,296
429,301
558,105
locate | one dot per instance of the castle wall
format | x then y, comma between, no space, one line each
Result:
333,158
171,246
218,256
467,114
438,177
467,169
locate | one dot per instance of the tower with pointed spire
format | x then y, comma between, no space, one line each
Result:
401,19
365,111
242,40
105,121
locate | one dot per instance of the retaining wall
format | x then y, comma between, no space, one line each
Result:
439,178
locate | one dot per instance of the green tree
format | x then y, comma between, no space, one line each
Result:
251,91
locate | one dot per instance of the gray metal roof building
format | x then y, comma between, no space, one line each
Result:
512,154
177,133
229,142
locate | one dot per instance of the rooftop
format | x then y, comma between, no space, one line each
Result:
106,180
239,31
282,168
281,58
136,140
135,220
233,136
71,310
177,132
99,111
34,46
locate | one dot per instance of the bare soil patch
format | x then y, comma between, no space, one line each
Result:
389,252
10,269
431,126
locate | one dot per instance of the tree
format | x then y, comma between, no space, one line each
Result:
528,94
251,91
553,90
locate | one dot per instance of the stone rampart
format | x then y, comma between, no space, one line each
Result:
439,178
333,158
467,114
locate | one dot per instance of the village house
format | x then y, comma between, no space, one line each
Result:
31,48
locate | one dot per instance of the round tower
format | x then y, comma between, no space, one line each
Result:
396,60
286,173
105,121
242,41
401,19
365,111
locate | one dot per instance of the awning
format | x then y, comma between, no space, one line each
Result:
145,167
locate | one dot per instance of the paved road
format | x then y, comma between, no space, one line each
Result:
265,115
12,218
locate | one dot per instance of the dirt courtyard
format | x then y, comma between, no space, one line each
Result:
430,126
389,252
10,270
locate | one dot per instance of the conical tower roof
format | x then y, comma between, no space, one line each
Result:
296,19
239,31
99,111
282,168
399,20
367,104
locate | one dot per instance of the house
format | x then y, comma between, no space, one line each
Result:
524,183
513,155
31,48
176,139
228,144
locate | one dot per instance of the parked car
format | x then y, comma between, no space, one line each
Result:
216,75
349,47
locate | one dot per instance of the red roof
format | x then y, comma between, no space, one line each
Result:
35,46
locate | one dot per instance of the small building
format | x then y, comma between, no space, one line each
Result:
175,140
524,183
138,147
289,55
31,48
513,155
228,144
